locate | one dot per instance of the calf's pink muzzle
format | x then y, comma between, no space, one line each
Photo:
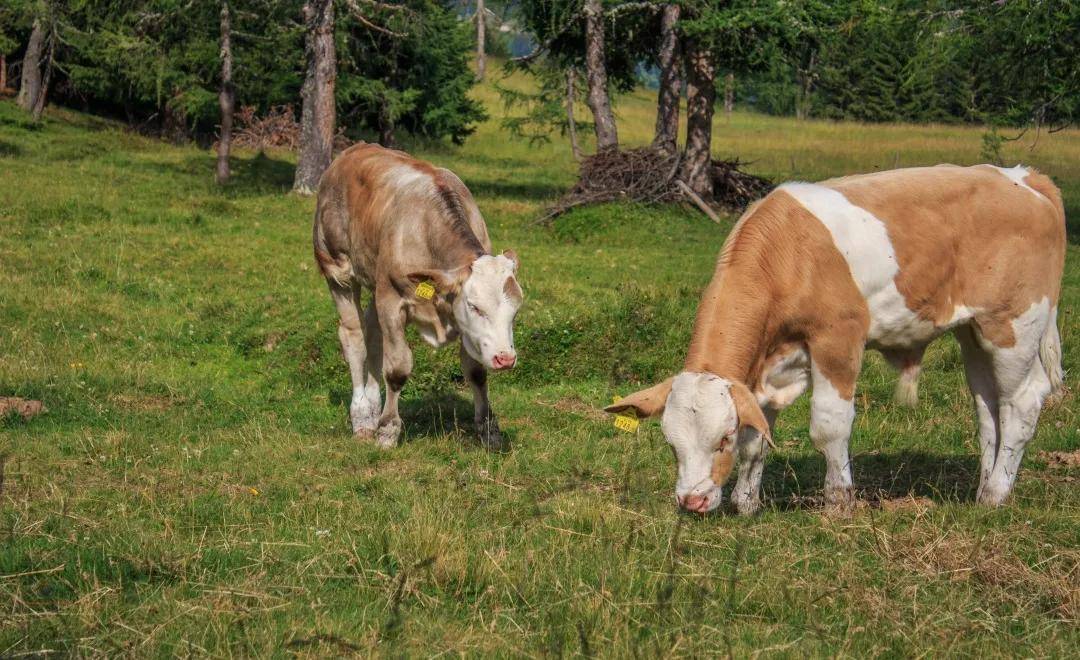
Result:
694,503
503,361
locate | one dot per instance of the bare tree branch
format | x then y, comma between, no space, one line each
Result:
358,14
633,6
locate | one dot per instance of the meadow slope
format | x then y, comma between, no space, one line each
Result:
194,488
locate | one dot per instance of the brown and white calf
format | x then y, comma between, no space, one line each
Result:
814,273
387,222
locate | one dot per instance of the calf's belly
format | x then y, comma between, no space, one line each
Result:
895,325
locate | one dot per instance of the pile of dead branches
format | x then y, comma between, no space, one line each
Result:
651,176
277,129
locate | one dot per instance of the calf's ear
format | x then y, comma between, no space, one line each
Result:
748,410
512,256
646,403
444,281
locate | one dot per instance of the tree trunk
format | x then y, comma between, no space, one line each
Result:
667,102
225,97
30,87
3,73
700,96
386,126
173,121
46,74
607,137
729,93
805,78
571,123
481,57
317,118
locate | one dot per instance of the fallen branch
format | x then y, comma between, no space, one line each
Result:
700,203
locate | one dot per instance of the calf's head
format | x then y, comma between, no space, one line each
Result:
485,298
703,415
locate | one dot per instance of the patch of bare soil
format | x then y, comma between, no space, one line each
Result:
1060,459
143,402
576,406
272,340
25,408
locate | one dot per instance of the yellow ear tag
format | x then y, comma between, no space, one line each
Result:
626,421
425,290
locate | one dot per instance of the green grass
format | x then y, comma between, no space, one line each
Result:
194,489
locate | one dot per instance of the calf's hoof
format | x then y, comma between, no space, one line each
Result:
388,434
839,497
491,438
992,497
364,435
746,504
365,428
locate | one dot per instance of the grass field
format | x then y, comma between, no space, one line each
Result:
194,489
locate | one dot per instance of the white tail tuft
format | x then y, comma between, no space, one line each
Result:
907,388
1050,356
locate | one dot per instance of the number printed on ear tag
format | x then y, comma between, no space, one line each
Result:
425,290
628,421
625,423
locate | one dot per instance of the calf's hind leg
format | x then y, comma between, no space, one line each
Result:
364,407
1023,386
486,425
979,369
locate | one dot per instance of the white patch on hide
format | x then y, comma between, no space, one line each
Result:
864,242
1017,175
785,381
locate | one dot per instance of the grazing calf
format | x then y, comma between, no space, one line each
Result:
814,273
412,235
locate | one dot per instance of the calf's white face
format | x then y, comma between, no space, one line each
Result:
485,307
701,424
703,415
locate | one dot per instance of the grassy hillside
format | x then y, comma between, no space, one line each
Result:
194,489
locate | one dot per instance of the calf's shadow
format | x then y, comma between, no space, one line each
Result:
432,414
797,483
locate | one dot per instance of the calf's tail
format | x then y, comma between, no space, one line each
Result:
1050,356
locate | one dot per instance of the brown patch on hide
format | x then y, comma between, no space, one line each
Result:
723,462
780,280
968,236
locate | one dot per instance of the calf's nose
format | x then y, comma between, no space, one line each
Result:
503,360
695,503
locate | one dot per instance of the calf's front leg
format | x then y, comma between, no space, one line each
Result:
831,415
364,408
487,427
397,363
752,448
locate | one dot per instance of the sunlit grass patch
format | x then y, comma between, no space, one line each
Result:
194,487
